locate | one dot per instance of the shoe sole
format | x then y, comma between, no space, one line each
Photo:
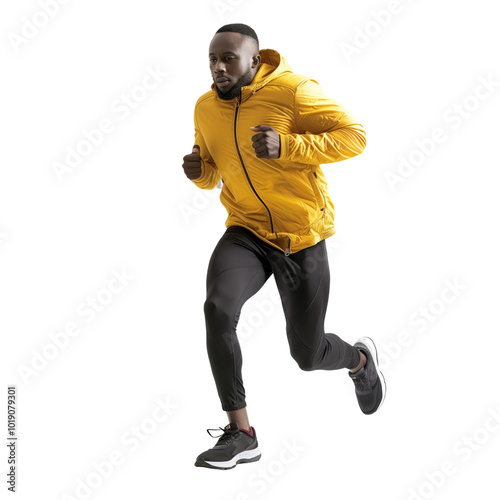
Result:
244,457
370,345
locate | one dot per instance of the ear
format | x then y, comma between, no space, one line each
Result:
255,60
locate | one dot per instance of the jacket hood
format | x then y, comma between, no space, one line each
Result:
272,65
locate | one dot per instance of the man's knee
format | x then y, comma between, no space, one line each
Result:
305,359
216,311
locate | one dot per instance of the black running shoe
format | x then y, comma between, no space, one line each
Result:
368,381
233,447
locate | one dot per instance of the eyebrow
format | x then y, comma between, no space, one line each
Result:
228,52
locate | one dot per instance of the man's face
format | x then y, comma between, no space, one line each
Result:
234,60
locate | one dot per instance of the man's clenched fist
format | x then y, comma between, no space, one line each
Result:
192,164
267,142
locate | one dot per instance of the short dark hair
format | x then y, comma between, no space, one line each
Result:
239,28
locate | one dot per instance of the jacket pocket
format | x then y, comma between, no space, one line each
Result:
320,199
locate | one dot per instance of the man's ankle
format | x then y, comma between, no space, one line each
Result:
362,362
245,427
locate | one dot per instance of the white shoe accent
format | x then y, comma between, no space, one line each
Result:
370,345
231,463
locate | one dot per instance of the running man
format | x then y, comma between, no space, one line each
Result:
264,131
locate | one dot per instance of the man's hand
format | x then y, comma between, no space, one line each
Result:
192,164
267,142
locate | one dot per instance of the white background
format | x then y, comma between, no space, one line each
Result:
128,208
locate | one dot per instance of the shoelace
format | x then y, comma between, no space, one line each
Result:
226,436
362,382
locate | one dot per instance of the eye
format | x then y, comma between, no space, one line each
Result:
225,58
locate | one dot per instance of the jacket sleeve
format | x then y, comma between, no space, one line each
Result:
327,131
210,175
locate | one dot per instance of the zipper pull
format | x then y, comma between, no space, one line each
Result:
287,251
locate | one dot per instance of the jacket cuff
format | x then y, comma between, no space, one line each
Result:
284,146
201,181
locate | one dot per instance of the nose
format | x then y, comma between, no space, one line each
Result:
219,67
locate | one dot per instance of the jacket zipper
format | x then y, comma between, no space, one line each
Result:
319,191
287,251
243,165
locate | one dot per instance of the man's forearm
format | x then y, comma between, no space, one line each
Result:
328,147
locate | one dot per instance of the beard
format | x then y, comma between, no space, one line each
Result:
243,81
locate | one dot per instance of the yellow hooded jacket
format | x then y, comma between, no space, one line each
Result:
283,201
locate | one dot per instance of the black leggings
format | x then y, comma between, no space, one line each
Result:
240,265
